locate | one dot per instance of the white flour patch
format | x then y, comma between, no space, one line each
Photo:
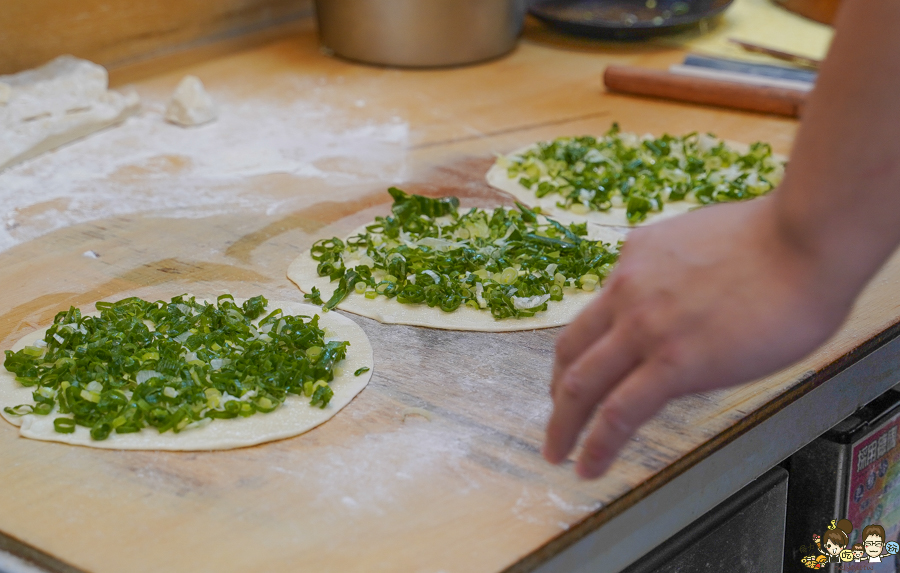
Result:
147,165
372,474
532,507
572,508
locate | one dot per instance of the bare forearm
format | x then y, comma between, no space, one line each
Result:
729,293
840,200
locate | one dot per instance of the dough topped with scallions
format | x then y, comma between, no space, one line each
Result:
431,263
183,374
626,179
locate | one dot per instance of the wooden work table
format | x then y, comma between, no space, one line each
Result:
381,488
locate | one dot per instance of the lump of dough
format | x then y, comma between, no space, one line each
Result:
59,102
190,104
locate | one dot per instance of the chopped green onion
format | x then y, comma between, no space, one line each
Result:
314,297
508,276
64,425
213,397
579,208
556,292
174,365
90,396
643,173
360,371
33,351
427,252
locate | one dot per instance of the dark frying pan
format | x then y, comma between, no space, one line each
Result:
625,19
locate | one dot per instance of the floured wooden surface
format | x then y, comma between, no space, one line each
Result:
60,102
378,488
150,165
407,491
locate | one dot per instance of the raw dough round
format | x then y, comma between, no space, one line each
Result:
295,416
559,313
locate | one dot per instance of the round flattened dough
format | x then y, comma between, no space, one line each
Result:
295,416
302,272
497,177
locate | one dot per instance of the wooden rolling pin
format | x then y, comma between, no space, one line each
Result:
656,83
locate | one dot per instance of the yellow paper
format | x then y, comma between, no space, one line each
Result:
760,22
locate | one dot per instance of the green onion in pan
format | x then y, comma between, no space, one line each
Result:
114,373
507,262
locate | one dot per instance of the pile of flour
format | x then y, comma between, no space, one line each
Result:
146,165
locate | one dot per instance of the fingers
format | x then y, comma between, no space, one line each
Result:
629,405
579,389
593,322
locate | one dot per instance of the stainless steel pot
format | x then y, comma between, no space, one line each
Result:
420,33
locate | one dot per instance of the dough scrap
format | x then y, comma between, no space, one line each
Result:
57,103
616,216
295,416
190,104
303,273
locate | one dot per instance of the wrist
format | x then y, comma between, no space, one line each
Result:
830,258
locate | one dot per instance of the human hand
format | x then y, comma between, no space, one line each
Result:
710,299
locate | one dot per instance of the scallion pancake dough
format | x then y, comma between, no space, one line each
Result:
497,177
295,416
559,313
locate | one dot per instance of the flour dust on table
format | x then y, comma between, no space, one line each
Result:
64,100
